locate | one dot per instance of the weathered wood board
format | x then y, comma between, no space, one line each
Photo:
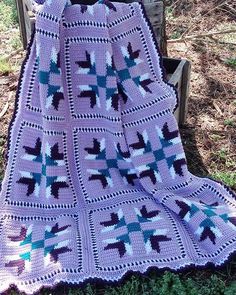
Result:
26,20
178,73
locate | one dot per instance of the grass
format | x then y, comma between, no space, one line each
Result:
9,29
166,284
222,157
228,178
5,67
175,35
169,13
231,62
15,42
8,14
229,122
171,284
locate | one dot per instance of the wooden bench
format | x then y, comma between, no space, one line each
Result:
177,70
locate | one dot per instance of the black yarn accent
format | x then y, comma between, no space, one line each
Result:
161,65
102,282
128,274
227,187
16,104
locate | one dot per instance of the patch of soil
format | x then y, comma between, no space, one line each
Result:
212,100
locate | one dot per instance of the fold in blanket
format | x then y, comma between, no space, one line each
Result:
97,183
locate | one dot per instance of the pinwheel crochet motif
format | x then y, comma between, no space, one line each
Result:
97,182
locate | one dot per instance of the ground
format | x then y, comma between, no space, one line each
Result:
208,136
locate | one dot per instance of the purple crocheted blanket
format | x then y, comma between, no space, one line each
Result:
97,182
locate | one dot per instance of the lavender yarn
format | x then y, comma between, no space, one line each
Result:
97,183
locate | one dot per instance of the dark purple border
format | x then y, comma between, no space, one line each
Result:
128,274
104,282
228,188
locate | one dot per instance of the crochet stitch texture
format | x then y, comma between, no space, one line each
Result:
97,182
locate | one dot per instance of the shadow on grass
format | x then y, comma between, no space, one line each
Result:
194,159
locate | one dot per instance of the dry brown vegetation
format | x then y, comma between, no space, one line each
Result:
209,136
